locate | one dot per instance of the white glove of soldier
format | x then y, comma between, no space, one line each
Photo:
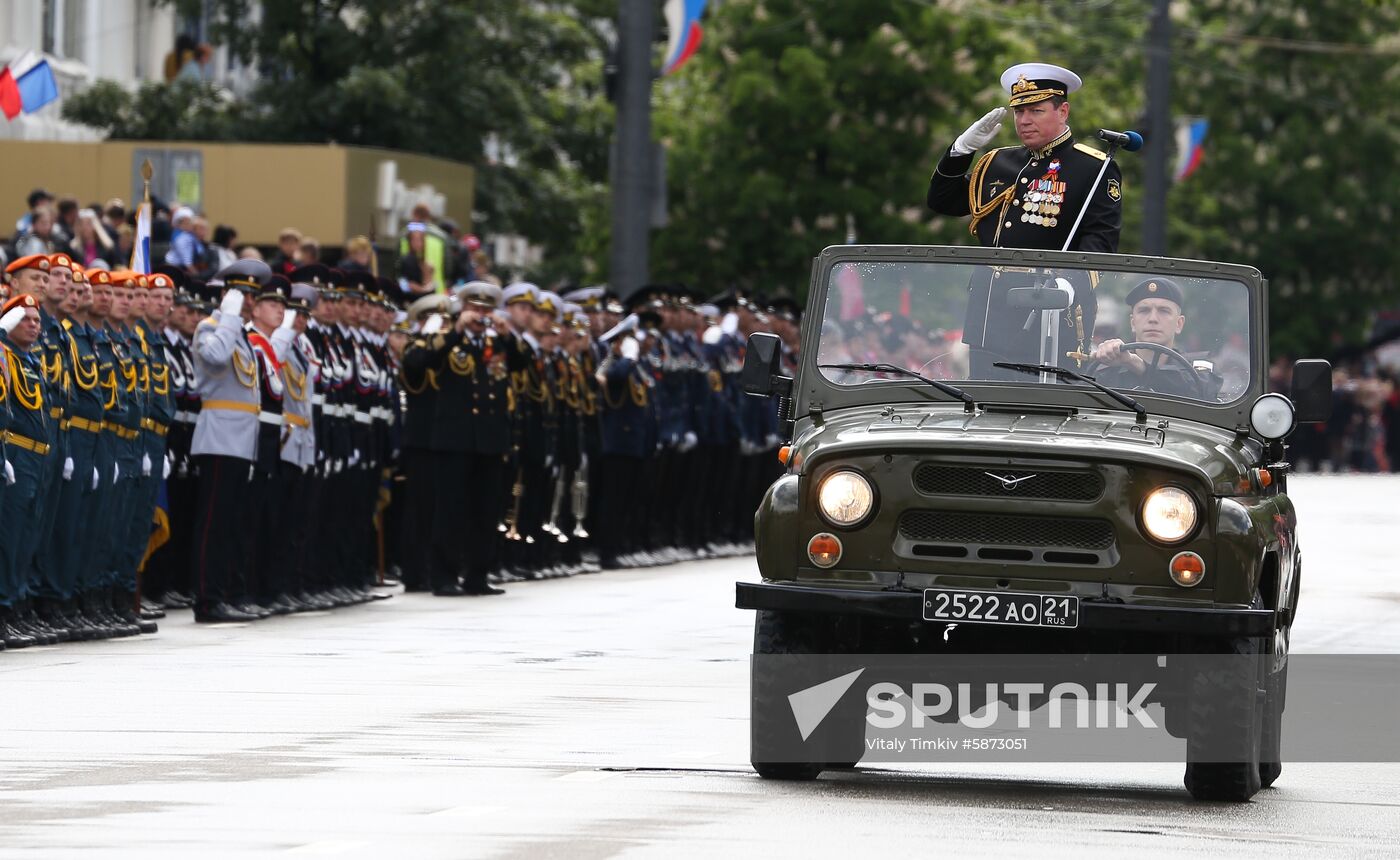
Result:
630,348
68,469
9,474
730,323
979,133
432,326
289,316
145,464
166,472
232,303
354,457
95,477
116,473
689,441
11,319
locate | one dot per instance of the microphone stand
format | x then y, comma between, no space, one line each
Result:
1112,148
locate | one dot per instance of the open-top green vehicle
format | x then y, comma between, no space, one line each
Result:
965,476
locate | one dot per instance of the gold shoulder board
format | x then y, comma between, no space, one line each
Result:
1089,150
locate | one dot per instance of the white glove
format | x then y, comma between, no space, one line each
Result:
95,477
116,473
713,335
354,457
979,133
166,473
145,464
689,441
289,316
432,326
548,460
9,474
68,468
232,303
11,319
630,348
730,323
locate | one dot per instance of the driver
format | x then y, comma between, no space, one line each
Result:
1156,318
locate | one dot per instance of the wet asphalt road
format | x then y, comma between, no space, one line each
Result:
600,716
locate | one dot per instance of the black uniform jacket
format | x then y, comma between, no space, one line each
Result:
1019,198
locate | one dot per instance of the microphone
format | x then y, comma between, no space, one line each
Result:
1129,140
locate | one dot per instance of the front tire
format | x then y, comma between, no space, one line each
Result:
1225,714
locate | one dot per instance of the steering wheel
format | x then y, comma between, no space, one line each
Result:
1154,366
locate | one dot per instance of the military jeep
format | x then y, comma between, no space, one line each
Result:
965,476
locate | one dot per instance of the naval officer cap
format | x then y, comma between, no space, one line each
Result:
247,276
1156,288
480,293
521,292
549,303
588,298
1028,83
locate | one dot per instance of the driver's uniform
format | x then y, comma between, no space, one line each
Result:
1167,378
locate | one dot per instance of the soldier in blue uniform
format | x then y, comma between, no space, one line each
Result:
29,440
627,442
148,327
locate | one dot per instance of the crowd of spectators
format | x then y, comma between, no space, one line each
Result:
430,255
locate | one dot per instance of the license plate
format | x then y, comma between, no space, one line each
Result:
1001,607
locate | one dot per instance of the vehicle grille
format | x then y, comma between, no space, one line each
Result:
936,479
1005,530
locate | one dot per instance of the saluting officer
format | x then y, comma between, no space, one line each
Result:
29,439
1028,196
225,443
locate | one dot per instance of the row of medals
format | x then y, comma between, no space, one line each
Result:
1041,208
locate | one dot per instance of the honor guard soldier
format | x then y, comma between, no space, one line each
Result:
418,376
225,443
155,426
1029,196
98,544
470,437
628,438
28,442
170,565
298,450
270,333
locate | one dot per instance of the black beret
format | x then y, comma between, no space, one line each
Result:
1156,288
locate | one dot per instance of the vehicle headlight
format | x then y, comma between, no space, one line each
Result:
845,498
1169,514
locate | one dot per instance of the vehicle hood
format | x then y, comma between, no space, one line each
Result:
1216,456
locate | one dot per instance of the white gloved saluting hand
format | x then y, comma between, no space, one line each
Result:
979,133
289,316
631,349
232,303
11,319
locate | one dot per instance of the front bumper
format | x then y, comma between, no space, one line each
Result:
1093,615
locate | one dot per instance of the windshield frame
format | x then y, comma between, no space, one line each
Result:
816,392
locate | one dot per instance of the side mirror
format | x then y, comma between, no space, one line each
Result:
1037,298
1311,391
762,373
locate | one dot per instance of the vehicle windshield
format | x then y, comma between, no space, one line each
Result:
1178,336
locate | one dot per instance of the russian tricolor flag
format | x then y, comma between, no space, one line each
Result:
1190,134
683,20
26,84
141,249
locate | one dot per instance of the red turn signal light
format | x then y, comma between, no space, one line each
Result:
824,549
1187,569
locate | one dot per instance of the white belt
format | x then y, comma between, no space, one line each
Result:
318,400
185,417
362,417
270,418
334,410
381,413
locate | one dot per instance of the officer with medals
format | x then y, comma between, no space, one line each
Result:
1029,196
